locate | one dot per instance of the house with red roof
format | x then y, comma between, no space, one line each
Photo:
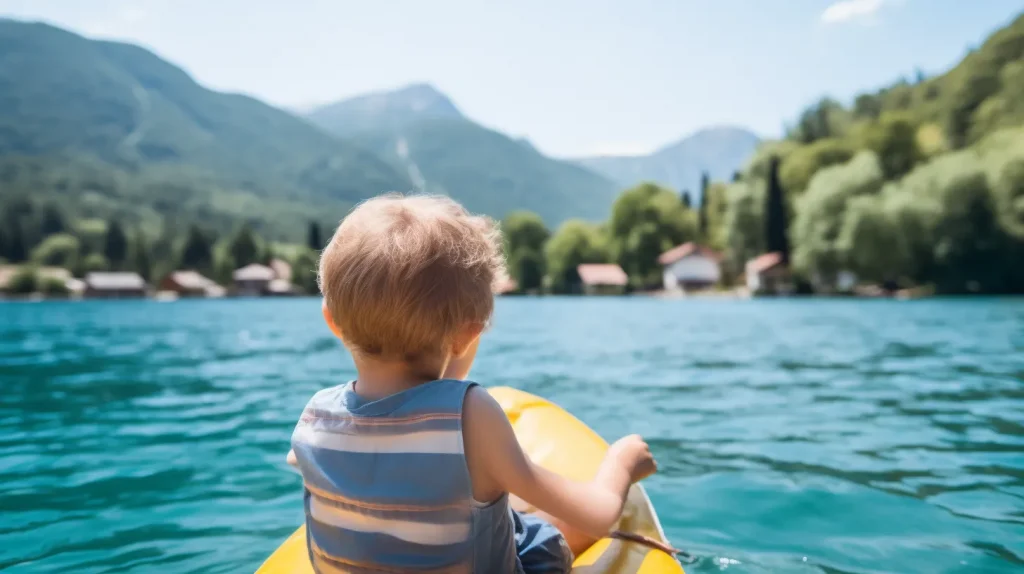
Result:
602,279
690,267
768,273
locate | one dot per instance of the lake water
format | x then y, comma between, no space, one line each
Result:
793,436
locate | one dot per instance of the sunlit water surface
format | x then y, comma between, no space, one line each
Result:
793,436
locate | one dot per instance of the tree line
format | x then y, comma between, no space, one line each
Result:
645,221
920,184
41,235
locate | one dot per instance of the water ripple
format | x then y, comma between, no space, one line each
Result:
793,436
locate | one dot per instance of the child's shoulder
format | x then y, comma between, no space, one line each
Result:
329,398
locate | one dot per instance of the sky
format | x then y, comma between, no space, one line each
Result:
575,77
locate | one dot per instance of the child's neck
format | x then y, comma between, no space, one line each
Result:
379,379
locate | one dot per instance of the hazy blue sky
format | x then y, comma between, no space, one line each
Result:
576,77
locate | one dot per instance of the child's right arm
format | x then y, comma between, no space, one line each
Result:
592,507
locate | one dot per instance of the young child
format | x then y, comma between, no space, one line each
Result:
410,467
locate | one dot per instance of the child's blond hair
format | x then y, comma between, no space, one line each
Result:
402,275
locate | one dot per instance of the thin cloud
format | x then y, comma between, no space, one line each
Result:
850,10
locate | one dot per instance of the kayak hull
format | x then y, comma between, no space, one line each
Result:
560,442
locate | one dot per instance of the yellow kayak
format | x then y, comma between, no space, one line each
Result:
560,442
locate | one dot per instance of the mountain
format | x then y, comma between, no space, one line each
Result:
391,111
419,130
720,151
128,113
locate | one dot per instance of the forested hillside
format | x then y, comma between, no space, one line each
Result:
918,185
110,129
421,132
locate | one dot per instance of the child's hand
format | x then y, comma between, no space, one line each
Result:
633,454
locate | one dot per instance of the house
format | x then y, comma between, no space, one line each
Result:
76,287
280,288
188,284
768,273
689,267
114,285
282,269
252,280
602,278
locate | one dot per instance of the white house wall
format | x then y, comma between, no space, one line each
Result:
695,268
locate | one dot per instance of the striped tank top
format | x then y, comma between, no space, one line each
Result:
387,488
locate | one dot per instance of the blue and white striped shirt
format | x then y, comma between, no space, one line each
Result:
387,487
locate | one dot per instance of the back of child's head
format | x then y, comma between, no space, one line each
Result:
403,275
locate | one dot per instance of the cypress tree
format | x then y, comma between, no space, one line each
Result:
197,252
313,239
705,183
687,202
17,252
52,221
115,247
776,239
243,247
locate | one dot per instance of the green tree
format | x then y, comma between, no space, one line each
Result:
685,198
60,250
574,243
116,245
718,204
95,262
52,221
24,281
867,106
970,245
869,242
525,236
52,287
164,248
196,252
313,239
20,218
223,267
304,271
92,233
14,240
141,262
524,230
646,221
527,267
821,211
702,222
743,224
1009,193
981,81
243,248
894,139
825,119
799,166
776,226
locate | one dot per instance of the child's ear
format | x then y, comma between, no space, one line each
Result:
330,320
465,338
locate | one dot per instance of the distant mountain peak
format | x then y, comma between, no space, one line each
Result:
718,150
392,108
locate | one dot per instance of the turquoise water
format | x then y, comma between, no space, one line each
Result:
793,436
